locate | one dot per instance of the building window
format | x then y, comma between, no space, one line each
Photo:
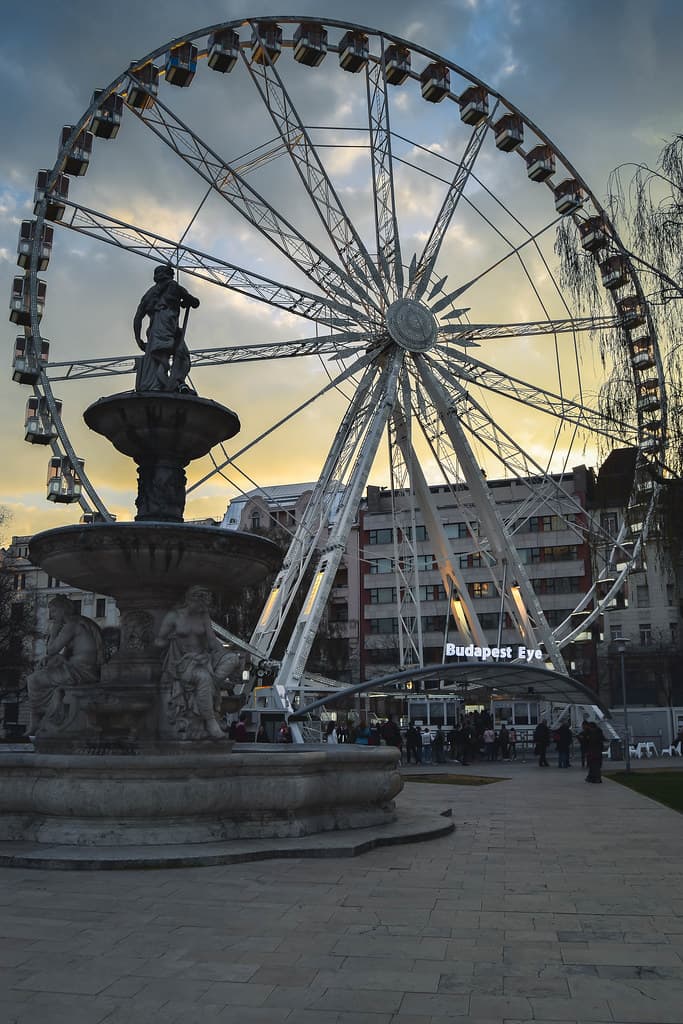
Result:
480,589
20,581
609,523
615,631
420,533
379,566
645,634
382,595
255,521
339,612
77,606
460,531
432,592
382,626
381,536
472,561
642,596
100,607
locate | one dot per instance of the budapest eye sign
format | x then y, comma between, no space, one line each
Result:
517,653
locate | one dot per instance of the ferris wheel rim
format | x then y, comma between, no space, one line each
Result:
383,36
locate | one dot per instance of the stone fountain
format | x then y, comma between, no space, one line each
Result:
130,750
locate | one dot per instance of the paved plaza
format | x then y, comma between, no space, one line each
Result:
551,901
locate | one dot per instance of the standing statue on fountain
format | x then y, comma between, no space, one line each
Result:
166,360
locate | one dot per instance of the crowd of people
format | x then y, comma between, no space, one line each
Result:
474,738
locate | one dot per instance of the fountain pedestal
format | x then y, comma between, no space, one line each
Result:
148,566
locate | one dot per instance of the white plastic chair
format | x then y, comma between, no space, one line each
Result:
672,751
634,751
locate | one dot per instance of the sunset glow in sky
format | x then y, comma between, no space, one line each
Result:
602,80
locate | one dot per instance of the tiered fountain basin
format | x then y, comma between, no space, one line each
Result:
113,768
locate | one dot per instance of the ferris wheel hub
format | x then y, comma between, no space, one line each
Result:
411,325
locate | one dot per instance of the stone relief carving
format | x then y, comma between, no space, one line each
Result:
137,630
75,653
195,666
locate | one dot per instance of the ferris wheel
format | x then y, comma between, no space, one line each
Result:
398,221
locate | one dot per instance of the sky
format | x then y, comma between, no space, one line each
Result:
602,80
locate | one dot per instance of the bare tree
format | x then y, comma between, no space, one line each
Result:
645,206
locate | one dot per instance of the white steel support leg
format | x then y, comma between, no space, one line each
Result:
313,520
406,574
460,603
298,650
501,544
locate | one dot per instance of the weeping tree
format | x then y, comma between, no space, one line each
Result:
645,206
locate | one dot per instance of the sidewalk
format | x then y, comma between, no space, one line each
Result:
552,901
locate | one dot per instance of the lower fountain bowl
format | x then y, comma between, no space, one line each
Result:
257,791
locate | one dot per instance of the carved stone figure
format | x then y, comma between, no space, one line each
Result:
75,653
166,360
195,665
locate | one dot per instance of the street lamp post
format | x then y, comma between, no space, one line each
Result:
620,647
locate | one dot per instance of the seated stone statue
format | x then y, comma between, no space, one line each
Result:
196,665
75,653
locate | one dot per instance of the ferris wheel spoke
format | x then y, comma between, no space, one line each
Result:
386,223
529,612
339,346
425,264
360,364
229,183
514,459
344,237
147,244
473,371
473,333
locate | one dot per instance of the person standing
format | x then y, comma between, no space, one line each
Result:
489,743
426,746
564,744
504,742
594,746
438,746
541,741
413,744
583,740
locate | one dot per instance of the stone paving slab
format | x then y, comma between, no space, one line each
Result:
551,901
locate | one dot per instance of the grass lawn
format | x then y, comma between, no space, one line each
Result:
452,780
666,786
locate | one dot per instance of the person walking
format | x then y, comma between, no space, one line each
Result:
541,741
512,743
